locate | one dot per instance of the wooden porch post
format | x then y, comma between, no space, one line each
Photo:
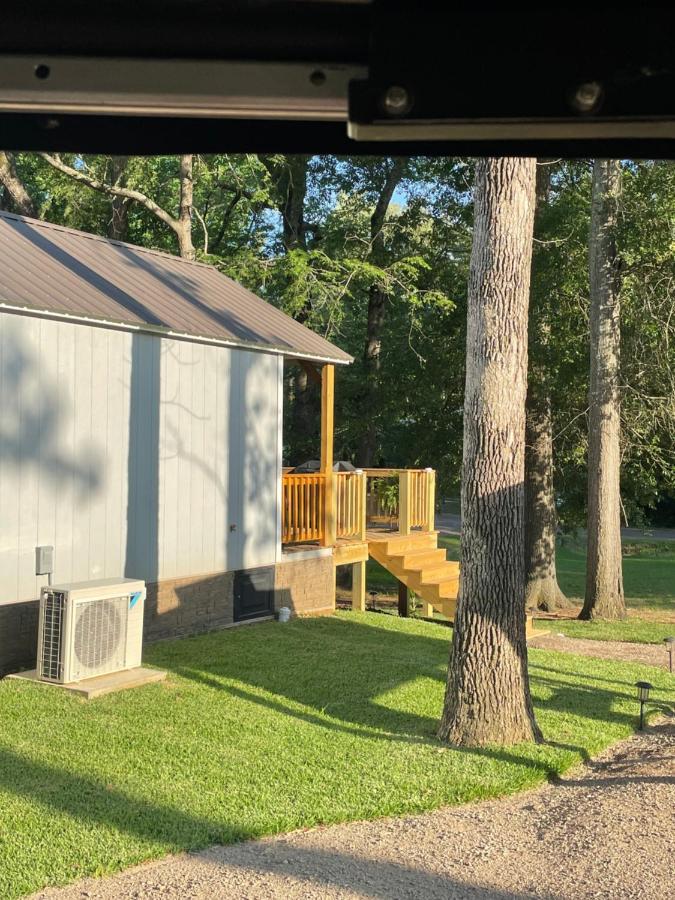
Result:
327,410
431,500
403,609
359,586
404,505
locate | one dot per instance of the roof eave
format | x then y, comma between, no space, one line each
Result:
160,331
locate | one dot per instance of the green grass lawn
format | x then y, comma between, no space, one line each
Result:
267,729
648,573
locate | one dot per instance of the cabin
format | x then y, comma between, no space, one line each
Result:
141,435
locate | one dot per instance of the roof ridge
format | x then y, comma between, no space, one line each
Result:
44,223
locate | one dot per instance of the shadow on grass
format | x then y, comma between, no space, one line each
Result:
336,670
97,803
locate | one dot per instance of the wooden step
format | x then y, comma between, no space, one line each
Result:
437,574
420,558
447,590
417,561
398,544
447,607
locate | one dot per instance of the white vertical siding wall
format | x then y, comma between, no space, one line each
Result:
134,455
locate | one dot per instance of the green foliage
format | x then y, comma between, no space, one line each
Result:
267,729
387,495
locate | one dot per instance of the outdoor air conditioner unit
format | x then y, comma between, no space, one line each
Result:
90,628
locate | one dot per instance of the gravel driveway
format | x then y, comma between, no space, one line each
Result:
605,830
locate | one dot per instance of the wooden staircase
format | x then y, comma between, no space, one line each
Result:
418,561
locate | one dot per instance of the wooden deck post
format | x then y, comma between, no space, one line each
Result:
426,609
403,608
327,411
404,504
431,500
363,501
359,586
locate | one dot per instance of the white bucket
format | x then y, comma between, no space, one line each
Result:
284,613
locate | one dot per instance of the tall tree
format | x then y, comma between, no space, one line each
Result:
604,579
181,225
289,193
14,187
119,206
377,301
541,582
289,178
488,696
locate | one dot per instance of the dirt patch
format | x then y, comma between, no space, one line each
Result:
604,830
648,654
572,612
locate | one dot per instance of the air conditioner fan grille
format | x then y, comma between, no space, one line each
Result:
100,635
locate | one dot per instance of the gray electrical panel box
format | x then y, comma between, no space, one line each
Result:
44,560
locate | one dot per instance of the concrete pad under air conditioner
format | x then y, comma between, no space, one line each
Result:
101,684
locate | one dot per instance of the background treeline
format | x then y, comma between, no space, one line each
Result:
373,253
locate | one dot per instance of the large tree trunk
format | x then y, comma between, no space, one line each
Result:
541,581
604,578
289,174
293,195
22,202
377,301
488,696
119,206
184,224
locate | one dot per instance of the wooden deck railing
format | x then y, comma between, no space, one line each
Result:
405,496
305,516
350,493
417,500
303,508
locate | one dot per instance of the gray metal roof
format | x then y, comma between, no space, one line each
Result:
50,270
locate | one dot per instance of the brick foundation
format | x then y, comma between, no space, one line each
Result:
306,585
18,635
183,606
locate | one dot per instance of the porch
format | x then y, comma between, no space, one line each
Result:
384,513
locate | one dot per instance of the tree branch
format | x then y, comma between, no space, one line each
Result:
200,219
394,176
113,190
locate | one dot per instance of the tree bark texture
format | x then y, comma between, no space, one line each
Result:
184,222
290,180
289,174
14,187
119,206
488,698
377,302
604,578
294,193
541,582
